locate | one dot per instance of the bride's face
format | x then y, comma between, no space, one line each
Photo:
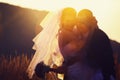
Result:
68,22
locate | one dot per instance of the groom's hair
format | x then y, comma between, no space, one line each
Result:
86,17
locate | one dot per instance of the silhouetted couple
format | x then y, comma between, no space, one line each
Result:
86,49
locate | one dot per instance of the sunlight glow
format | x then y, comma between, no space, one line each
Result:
58,4
106,11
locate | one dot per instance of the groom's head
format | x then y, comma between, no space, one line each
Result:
85,16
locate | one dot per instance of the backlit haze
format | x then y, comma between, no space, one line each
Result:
107,12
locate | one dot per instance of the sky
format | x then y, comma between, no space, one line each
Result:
107,12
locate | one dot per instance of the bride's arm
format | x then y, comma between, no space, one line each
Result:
69,46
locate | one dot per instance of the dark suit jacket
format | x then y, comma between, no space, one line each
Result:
100,53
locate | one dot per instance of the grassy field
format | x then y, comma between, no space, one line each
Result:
14,68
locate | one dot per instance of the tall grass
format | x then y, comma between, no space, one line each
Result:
14,68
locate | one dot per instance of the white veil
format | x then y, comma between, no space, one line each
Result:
44,40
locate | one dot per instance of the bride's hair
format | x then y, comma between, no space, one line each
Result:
68,17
